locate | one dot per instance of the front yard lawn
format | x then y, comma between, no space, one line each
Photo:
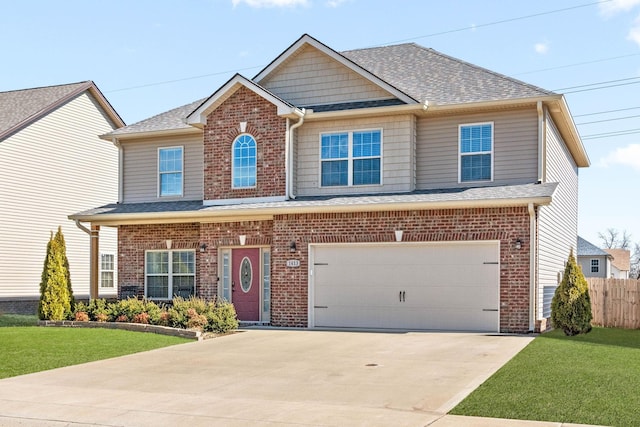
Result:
26,349
585,379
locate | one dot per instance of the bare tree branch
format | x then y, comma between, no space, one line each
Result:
609,238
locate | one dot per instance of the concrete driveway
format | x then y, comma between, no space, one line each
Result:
266,377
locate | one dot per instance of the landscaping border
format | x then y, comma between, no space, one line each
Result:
134,327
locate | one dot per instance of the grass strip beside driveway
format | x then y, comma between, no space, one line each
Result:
25,350
585,379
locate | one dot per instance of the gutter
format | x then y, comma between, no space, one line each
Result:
288,153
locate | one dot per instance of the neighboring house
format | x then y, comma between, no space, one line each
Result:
595,262
52,163
620,264
389,187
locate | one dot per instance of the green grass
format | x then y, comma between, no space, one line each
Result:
24,350
585,379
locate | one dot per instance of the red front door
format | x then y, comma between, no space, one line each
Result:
245,283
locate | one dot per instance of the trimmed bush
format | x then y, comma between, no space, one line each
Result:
223,318
98,310
571,304
55,300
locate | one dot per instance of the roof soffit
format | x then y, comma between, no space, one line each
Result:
307,40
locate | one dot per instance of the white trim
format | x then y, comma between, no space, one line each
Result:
199,115
233,168
181,147
308,40
492,152
114,287
311,263
243,201
350,158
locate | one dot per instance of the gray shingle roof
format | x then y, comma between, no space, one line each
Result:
422,73
169,120
586,248
506,193
428,75
18,108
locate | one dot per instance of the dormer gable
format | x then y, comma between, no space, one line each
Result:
198,117
310,74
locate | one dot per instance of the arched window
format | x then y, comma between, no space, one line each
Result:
244,162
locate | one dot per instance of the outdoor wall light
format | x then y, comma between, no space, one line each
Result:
292,246
203,247
168,242
518,244
243,239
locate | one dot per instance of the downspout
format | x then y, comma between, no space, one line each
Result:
542,143
120,169
288,155
532,267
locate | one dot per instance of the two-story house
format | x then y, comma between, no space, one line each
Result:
389,187
53,162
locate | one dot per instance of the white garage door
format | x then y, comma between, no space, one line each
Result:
442,286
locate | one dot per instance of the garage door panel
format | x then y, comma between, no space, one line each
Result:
449,286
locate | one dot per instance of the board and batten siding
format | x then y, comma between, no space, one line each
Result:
558,222
313,78
515,148
55,167
140,168
398,140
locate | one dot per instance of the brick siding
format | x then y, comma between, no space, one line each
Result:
220,131
289,286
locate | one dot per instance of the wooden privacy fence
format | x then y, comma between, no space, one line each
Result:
615,303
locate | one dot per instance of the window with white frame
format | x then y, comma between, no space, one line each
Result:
169,274
595,265
107,270
476,152
170,169
350,158
244,162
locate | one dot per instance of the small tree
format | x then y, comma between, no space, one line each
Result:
55,301
571,305
59,237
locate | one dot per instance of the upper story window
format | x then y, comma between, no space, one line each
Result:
476,152
170,168
350,158
244,162
595,265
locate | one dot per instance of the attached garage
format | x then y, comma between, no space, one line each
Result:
437,286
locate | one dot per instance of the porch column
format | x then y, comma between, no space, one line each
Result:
94,260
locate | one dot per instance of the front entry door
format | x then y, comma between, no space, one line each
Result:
245,283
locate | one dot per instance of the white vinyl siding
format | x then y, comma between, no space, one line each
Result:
515,148
140,168
558,222
397,154
312,78
55,167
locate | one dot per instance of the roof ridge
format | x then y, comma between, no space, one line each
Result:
89,82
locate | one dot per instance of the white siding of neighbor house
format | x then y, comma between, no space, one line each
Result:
398,140
53,168
558,222
313,78
140,168
515,148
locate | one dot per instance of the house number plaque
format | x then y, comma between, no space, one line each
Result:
293,263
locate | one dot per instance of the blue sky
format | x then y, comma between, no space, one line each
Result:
148,56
